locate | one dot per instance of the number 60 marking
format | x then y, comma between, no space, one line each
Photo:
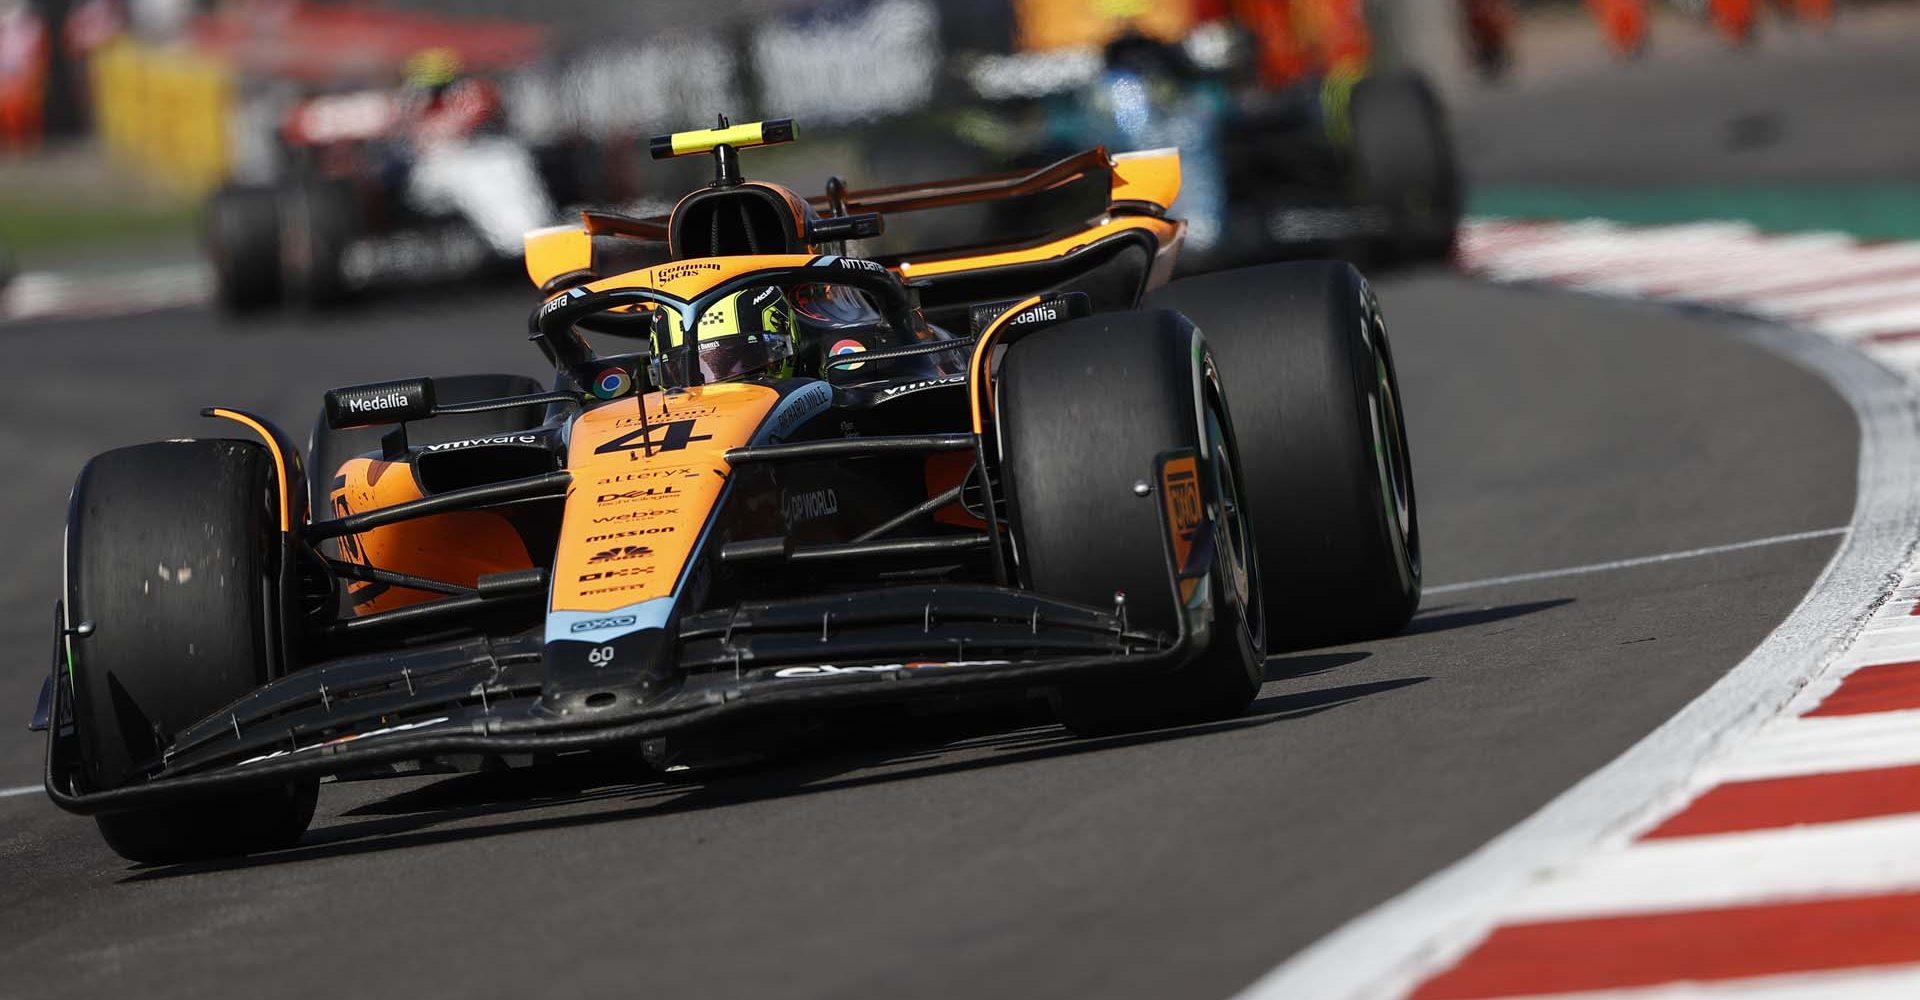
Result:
600,656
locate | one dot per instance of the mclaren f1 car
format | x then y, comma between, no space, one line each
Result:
770,479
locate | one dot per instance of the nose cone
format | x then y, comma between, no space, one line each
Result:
626,671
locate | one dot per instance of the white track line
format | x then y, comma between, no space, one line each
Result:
46,295
1843,984
1603,567
1749,868
7,793
1387,950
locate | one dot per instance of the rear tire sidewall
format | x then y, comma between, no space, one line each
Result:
318,222
242,238
1305,358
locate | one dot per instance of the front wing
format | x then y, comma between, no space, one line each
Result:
482,695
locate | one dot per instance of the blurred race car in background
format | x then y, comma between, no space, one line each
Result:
417,182
1291,145
771,481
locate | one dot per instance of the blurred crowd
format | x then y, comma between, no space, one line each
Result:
838,60
1626,22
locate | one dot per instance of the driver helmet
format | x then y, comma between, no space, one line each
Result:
750,332
432,71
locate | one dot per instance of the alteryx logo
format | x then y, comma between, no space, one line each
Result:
596,624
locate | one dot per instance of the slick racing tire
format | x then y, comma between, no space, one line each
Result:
1304,355
1404,164
1086,409
241,235
170,559
318,222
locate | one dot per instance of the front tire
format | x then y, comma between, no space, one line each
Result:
1304,354
1086,409
170,557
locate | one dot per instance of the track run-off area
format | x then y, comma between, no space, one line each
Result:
1666,506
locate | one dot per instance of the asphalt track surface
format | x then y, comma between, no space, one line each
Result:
985,854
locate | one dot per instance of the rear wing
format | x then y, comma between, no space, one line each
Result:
1148,180
1084,186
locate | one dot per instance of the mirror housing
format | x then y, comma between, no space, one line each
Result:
379,403
841,228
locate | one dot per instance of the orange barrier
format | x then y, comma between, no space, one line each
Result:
1624,22
163,109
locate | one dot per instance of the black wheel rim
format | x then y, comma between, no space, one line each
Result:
1233,535
1391,455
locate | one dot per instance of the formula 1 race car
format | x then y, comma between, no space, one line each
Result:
409,186
772,481
1327,164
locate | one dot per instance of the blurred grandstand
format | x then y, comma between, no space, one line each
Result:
1309,126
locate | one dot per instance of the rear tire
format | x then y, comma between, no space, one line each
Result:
170,556
1304,355
1085,409
242,239
318,222
1404,161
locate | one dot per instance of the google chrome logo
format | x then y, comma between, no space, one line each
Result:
611,384
848,346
